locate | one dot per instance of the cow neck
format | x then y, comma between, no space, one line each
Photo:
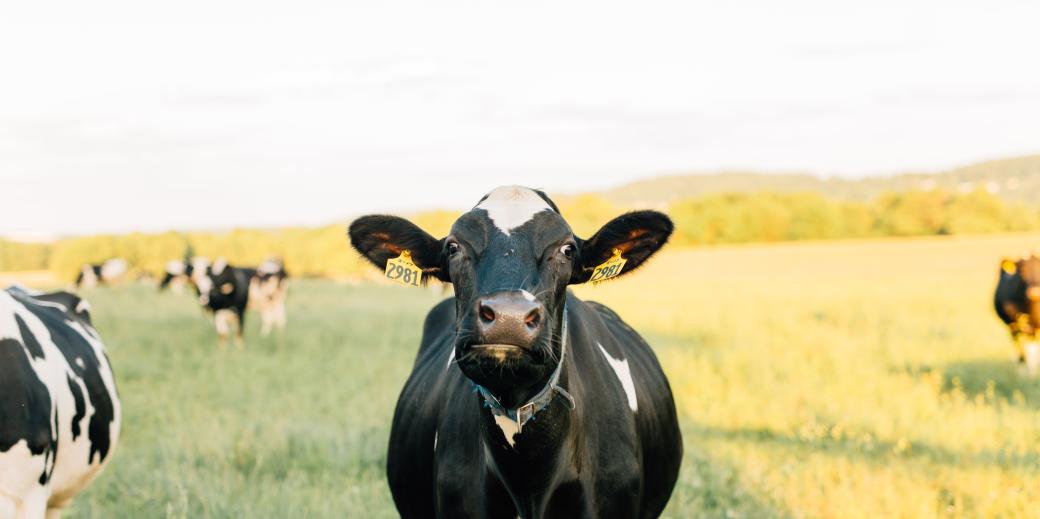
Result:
541,400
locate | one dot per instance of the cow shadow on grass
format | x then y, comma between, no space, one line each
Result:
986,378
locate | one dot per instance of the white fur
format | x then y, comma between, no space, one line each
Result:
509,428
451,357
527,295
510,207
624,375
19,469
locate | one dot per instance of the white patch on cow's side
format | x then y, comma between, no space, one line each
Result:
510,207
624,375
509,428
82,306
451,357
80,363
527,295
1032,351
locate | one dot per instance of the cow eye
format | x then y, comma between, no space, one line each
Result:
453,248
567,250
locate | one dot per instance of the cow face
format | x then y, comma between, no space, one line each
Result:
510,260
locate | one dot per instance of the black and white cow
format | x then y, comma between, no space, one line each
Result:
228,291
182,272
224,290
109,272
525,400
59,411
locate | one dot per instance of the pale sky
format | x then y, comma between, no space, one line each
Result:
118,116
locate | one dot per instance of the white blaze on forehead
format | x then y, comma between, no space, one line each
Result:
624,375
510,207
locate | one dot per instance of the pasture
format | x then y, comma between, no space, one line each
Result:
840,379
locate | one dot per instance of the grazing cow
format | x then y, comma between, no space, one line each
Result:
1017,301
267,291
525,400
109,272
59,411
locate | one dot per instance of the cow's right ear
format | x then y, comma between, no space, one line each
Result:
381,237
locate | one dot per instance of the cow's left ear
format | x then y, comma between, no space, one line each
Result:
380,238
638,235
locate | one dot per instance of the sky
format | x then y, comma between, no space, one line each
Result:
120,116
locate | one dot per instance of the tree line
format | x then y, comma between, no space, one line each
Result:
705,220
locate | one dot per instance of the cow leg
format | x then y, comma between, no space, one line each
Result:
34,506
266,320
222,320
279,313
240,323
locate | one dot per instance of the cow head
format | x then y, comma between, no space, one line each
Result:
510,259
216,285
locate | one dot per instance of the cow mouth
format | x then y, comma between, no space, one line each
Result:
500,350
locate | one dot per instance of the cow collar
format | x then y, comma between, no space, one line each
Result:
525,413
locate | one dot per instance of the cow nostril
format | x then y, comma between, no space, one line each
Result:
486,314
533,318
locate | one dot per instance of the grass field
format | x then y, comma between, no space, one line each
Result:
849,379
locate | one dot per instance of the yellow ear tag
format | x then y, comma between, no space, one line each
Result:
608,269
403,270
1009,267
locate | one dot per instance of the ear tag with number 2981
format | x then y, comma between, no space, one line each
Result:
403,270
608,269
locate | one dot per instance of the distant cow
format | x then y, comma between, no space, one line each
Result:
1017,301
224,290
525,400
177,274
267,291
227,291
109,272
181,272
59,411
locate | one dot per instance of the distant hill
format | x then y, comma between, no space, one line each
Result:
1013,180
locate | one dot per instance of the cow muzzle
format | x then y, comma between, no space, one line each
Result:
509,322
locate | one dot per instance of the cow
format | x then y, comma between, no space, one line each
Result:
1017,301
59,410
180,272
228,291
109,272
224,291
525,401
176,275
267,291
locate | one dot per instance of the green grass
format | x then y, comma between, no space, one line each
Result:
850,379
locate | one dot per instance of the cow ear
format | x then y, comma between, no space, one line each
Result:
380,238
637,235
